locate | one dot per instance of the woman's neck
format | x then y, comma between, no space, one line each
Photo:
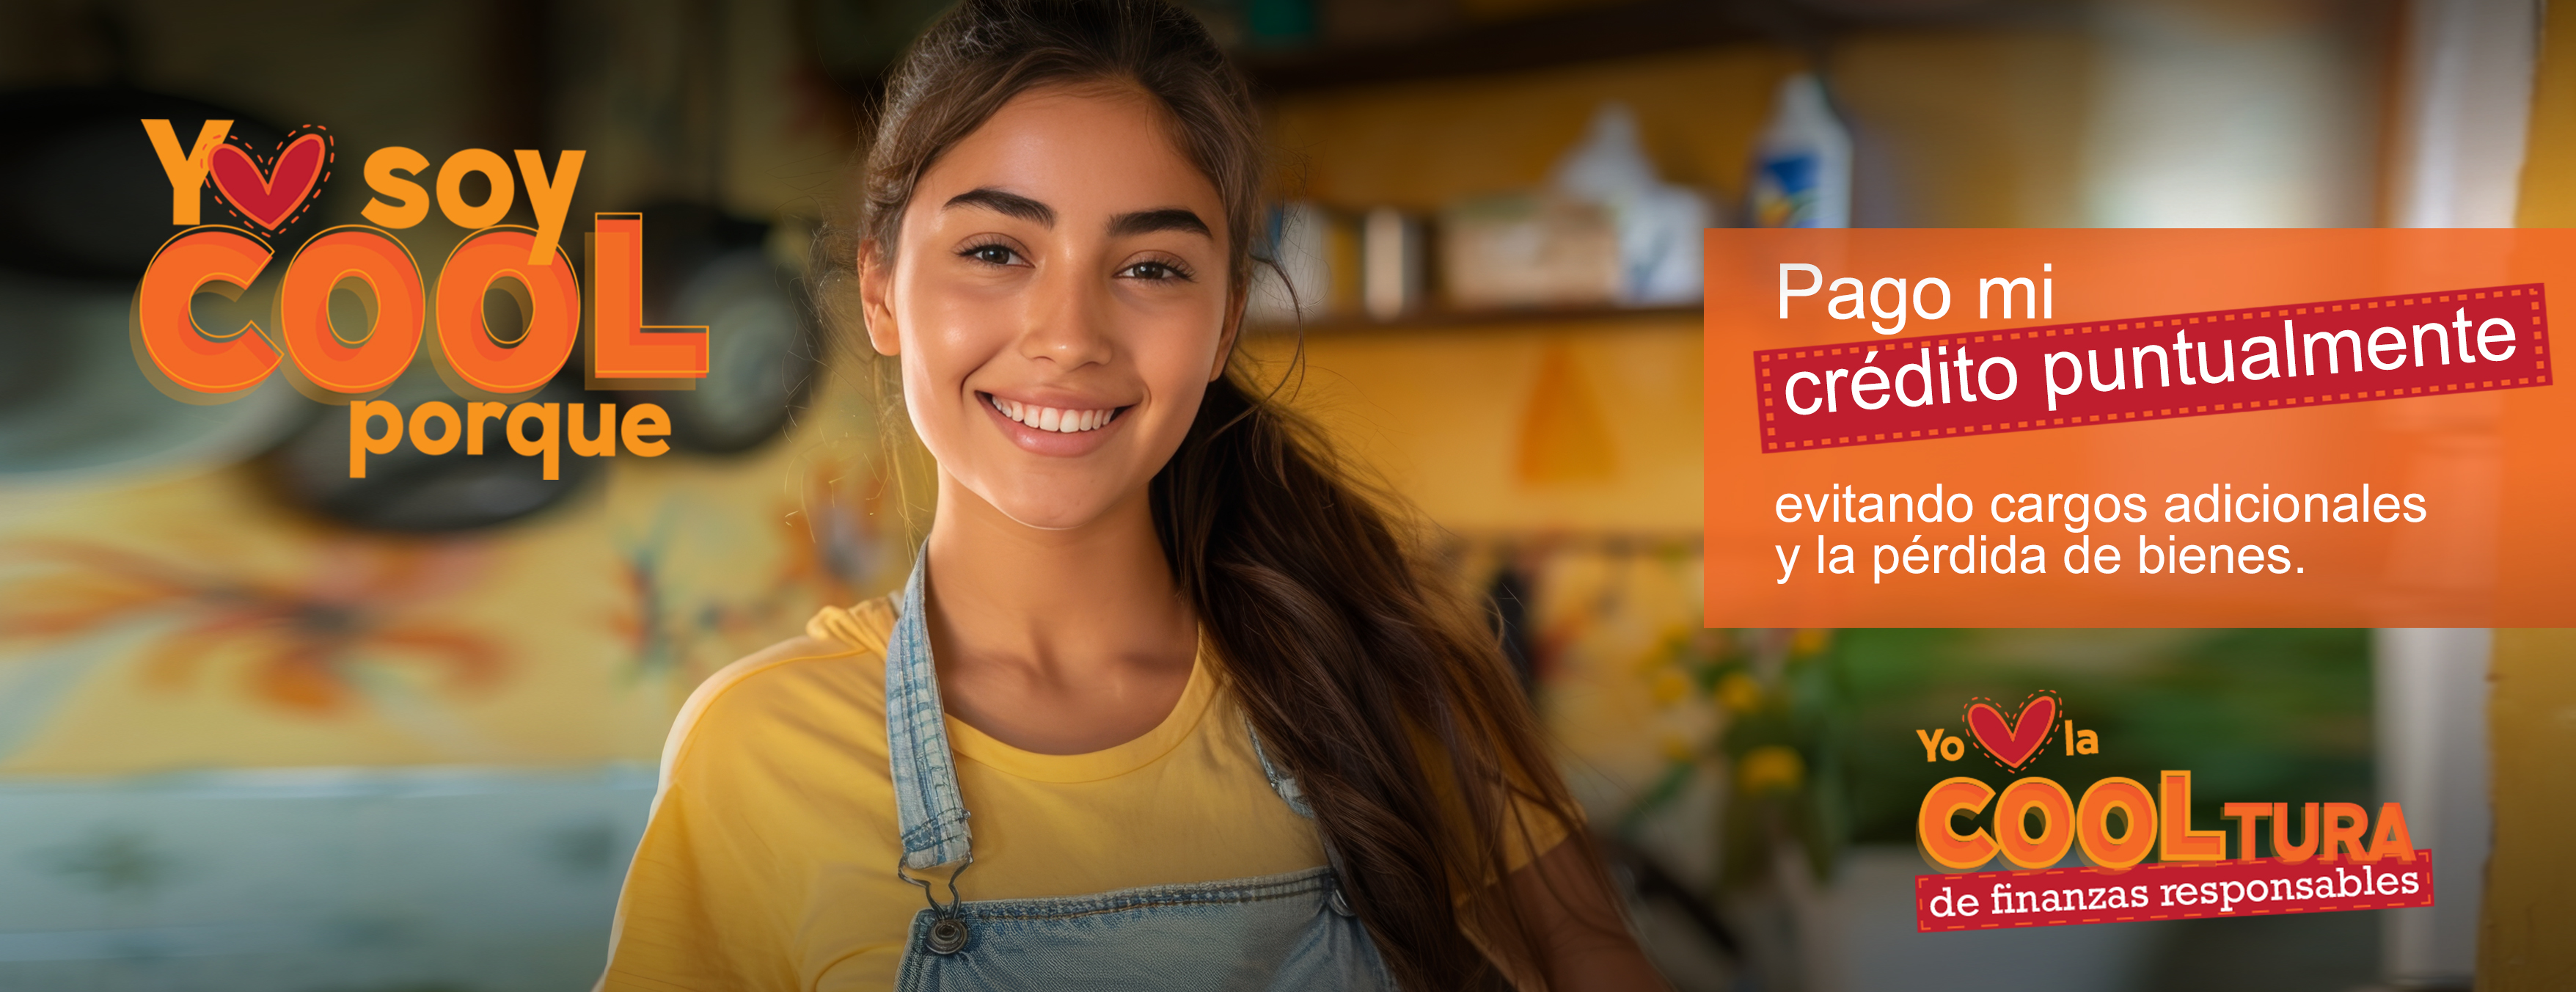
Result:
1057,641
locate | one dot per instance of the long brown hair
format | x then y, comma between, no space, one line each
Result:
1369,677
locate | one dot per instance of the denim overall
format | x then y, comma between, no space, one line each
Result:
1291,931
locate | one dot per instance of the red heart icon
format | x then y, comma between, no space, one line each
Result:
273,196
2013,742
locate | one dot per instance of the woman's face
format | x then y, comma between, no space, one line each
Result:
1059,301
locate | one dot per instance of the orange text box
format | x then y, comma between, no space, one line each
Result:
2414,510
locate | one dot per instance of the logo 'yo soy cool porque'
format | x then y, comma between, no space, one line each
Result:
341,364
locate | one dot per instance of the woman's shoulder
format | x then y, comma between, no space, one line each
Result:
824,688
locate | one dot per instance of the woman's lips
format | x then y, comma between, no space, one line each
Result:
1060,432
1047,418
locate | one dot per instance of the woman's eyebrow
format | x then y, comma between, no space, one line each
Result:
1008,204
1165,219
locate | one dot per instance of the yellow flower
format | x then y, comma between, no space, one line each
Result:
1809,640
1769,768
1669,686
1737,691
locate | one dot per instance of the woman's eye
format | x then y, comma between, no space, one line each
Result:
992,254
1155,271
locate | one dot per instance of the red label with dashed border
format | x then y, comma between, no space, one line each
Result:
2168,890
2151,368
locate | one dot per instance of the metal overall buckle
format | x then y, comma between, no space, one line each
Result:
948,932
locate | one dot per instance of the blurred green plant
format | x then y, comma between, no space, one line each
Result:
1779,748
2258,715
1819,744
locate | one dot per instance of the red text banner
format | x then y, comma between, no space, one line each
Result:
2168,890
2149,368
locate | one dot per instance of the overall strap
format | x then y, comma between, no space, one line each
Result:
927,804
1295,796
1280,782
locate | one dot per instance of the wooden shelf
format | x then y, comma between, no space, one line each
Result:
1470,319
1601,32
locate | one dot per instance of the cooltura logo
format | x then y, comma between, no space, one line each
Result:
492,367
2341,861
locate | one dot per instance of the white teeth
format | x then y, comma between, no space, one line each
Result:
1054,419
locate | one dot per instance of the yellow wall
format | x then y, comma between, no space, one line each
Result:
1973,128
2531,713
2549,161
2523,940
1579,426
1420,145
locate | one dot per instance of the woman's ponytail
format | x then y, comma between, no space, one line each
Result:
1370,680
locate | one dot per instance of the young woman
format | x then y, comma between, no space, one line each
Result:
1167,702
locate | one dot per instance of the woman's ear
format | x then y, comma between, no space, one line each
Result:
1233,330
876,281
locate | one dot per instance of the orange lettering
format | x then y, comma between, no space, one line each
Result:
1946,847
2345,825
207,259
2249,820
2057,826
544,442
2180,841
337,359
514,361
2093,823
363,442
621,347
2281,846
2391,841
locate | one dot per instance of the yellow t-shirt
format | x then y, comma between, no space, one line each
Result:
769,862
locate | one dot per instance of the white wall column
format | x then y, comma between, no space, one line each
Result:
2432,715
2463,111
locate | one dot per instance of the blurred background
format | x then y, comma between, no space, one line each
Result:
265,727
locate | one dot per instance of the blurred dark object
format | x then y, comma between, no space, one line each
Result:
1912,11
1364,22
1510,595
82,193
1651,882
704,268
1278,24
74,403
1399,40
857,40
1580,35
414,493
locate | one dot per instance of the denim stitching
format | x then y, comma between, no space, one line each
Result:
1307,882
931,811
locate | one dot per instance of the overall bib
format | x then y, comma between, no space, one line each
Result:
1291,931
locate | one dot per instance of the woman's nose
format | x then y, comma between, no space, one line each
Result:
1069,326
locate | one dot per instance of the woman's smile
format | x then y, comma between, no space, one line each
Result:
1062,428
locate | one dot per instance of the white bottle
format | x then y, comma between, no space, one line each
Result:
1659,224
1802,167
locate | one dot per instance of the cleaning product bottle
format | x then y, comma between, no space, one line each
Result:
1659,224
1802,166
